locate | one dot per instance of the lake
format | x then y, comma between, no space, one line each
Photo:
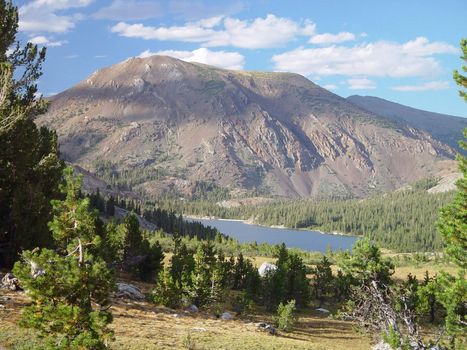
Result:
304,239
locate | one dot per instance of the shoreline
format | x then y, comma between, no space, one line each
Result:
280,227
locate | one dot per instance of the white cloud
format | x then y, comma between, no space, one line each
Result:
193,32
210,22
380,59
41,15
330,87
100,56
43,41
328,38
223,59
129,10
267,32
361,84
431,85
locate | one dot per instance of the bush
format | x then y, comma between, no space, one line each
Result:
242,303
167,292
285,319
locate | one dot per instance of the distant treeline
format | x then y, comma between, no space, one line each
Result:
168,221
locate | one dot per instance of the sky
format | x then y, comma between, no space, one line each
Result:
402,51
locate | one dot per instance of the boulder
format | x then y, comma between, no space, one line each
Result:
266,268
9,281
324,311
128,291
381,346
199,329
192,308
266,328
227,316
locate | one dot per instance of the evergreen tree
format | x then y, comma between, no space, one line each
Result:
297,284
110,206
30,168
451,291
69,288
203,287
365,264
181,264
152,262
167,291
427,297
323,279
452,223
285,319
132,237
460,79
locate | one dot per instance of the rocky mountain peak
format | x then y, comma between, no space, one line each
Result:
171,125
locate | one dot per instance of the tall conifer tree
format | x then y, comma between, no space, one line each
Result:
30,169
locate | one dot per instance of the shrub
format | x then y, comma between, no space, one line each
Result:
285,319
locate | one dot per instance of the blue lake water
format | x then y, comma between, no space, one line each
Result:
304,239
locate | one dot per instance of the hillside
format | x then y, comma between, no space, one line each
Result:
173,126
444,128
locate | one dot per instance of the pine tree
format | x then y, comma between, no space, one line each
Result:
133,238
167,291
30,168
451,291
452,223
181,264
323,279
203,285
460,79
365,264
297,285
69,288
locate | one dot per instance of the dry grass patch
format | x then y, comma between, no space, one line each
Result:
142,325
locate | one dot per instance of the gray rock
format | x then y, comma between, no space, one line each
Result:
9,281
266,268
266,328
193,308
381,346
128,291
227,316
199,329
324,311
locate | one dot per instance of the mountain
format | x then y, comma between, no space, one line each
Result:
444,128
160,124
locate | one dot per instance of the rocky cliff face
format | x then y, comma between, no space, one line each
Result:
172,124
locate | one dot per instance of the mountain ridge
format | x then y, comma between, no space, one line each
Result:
173,124
443,127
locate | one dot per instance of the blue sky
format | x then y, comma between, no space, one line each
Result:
403,51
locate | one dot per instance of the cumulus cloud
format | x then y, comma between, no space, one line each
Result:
191,32
130,10
43,41
41,15
267,32
361,84
223,59
379,59
328,38
431,85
